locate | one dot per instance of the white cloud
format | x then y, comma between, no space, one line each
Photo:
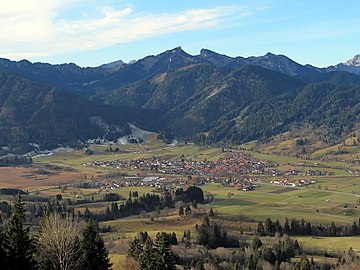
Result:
33,28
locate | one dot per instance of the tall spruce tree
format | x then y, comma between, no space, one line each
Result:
135,249
18,246
164,257
147,260
93,248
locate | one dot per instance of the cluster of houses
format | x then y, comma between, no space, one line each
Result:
295,172
234,163
317,173
185,172
293,183
103,184
150,181
244,184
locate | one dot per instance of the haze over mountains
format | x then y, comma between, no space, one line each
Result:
208,97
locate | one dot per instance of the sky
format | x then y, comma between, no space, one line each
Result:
91,33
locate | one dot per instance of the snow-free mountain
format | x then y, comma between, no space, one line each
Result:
209,98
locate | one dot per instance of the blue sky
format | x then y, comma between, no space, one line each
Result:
90,33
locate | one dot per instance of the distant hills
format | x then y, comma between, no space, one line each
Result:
44,115
89,81
209,98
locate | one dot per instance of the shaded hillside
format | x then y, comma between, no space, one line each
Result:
333,109
69,77
249,103
228,96
33,113
193,99
149,99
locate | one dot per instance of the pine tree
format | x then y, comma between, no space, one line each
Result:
256,243
93,248
260,229
211,213
286,226
188,210
164,257
18,246
181,211
135,249
147,261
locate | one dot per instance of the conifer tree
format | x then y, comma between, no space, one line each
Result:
93,248
164,257
147,260
181,211
211,213
135,249
18,245
260,229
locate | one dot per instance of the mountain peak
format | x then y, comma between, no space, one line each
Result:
269,54
355,61
175,50
113,65
215,58
206,52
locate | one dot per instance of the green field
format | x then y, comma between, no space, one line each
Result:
333,198
322,202
300,203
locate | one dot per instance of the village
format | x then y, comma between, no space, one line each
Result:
186,172
244,173
167,183
234,163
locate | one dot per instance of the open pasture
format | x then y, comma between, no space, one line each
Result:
319,206
334,197
133,225
330,243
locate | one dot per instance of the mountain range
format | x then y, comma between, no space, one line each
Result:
210,98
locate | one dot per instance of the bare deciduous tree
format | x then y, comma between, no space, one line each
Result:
58,245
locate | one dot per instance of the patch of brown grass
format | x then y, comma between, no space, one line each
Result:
26,178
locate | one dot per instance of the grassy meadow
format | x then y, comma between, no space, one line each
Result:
334,197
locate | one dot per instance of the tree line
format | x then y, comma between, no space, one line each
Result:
296,227
212,235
